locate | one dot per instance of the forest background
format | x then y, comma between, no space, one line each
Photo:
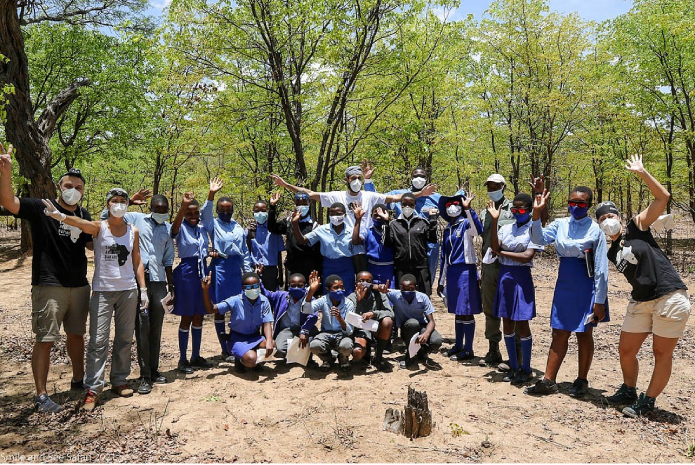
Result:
246,88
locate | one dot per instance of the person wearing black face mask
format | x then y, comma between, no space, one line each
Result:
231,256
580,299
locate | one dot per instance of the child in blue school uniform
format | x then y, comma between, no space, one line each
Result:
250,313
265,247
231,255
192,244
458,270
379,255
515,298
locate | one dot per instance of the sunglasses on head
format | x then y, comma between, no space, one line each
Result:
573,203
251,286
453,202
520,210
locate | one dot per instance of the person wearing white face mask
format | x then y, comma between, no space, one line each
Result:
250,313
118,271
659,303
338,243
265,247
496,186
60,290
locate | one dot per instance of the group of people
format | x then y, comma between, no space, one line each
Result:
365,276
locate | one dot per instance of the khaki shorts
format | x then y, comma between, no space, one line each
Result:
665,316
52,306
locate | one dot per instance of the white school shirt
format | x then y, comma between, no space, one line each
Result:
366,198
515,238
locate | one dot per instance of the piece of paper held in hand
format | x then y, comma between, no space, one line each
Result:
167,303
489,257
356,320
413,347
589,318
260,355
297,355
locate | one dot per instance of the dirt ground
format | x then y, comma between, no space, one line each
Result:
287,414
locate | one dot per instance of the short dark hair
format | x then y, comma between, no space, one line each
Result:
159,199
332,279
74,172
527,199
408,277
408,195
297,275
584,190
261,201
225,199
338,205
379,205
249,274
195,202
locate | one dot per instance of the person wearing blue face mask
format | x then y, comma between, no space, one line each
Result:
335,331
250,313
458,270
580,298
300,258
380,255
414,314
265,247
515,299
230,254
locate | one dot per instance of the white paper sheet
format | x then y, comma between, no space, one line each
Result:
589,318
413,347
166,303
356,320
297,355
260,355
489,258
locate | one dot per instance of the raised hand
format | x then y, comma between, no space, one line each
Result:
296,215
537,184
361,291
540,201
367,169
466,204
188,198
52,211
274,198
205,283
6,160
634,164
381,213
258,269
357,210
278,181
434,211
494,211
140,197
314,281
429,189
216,185
384,288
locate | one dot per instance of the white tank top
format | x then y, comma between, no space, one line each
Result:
113,260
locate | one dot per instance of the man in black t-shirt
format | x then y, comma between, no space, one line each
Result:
59,287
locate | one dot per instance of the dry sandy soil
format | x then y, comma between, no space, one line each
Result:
287,414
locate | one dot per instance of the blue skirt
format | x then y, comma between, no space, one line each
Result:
462,290
239,343
189,294
383,273
574,296
344,268
226,278
515,297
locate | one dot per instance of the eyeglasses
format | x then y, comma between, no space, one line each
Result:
573,203
248,287
520,211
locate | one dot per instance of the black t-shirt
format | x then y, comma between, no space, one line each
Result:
59,257
644,264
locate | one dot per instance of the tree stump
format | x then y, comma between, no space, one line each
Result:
415,421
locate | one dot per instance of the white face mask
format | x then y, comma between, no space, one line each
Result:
252,294
407,211
611,226
160,218
496,196
356,185
71,196
337,220
118,209
453,211
419,183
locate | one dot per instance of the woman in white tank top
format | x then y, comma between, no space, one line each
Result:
117,267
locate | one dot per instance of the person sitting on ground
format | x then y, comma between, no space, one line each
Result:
250,313
659,303
335,331
371,305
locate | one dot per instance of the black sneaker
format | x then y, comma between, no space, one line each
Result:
45,404
510,376
381,365
580,388
624,396
145,386
184,367
641,407
238,366
200,362
406,363
462,356
521,377
158,378
493,357
453,351
543,387
76,385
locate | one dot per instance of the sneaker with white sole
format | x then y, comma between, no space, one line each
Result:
45,404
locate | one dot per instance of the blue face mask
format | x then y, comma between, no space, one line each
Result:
578,212
408,295
521,219
303,210
261,217
337,295
225,217
297,292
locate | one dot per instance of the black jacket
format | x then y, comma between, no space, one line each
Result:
299,256
409,241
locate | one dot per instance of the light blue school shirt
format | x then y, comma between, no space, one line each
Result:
419,308
227,238
192,241
323,305
333,245
246,317
156,244
265,246
515,238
